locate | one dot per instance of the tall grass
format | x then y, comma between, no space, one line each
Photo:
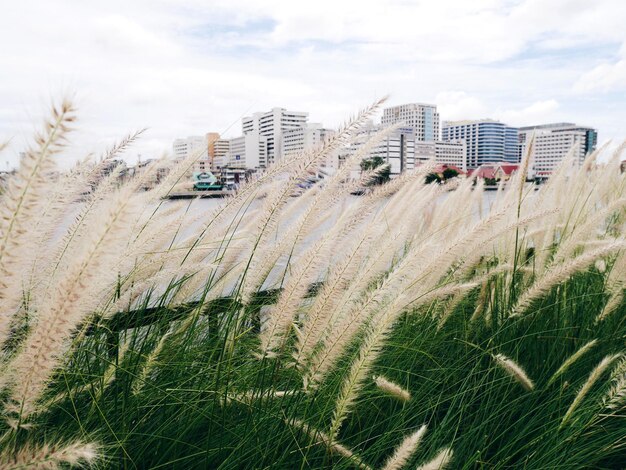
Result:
409,327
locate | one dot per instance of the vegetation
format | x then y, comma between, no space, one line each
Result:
282,332
445,175
383,173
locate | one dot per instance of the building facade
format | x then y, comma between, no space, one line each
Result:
486,141
305,139
247,152
396,149
552,144
272,125
441,152
217,149
423,118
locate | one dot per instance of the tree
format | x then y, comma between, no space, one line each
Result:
449,173
383,175
432,178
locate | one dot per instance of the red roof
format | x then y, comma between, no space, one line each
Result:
440,169
485,171
509,168
491,171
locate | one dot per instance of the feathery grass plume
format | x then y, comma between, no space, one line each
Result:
50,456
560,273
24,193
596,373
514,370
332,190
615,283
319,437
405,450
392,389
581,233
68,306
572,359
615,399
441,460
369,350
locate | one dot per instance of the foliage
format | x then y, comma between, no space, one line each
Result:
409,327
382,176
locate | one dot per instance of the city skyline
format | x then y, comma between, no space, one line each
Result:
184,71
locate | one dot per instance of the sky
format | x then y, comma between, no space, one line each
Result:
190,67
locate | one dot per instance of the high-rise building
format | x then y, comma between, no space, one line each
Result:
192,145
272,125
196,146
486,141
424,118
397,149
445,153
306,138
553,142
246,152
217,149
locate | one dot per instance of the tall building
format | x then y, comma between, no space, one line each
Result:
217,149
553,142
192,145
424,118
486,141
445,153
272,125
246,152
397,149
306,138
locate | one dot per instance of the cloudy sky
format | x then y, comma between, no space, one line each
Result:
188,67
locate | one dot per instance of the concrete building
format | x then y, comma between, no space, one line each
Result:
424,118
192,145
397,149
217,149
306,138
445,153
196,146
486,141
272,125
553,142
247,152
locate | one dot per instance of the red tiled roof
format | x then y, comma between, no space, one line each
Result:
508,169
440,169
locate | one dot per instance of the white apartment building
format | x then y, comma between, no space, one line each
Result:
272,125
246,152
553,142
306,138
397,149
422,117
193,145
445,153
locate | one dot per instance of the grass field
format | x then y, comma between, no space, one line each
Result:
409,333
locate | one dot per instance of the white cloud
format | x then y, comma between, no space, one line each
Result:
605,77
455,105
540,111
198,66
